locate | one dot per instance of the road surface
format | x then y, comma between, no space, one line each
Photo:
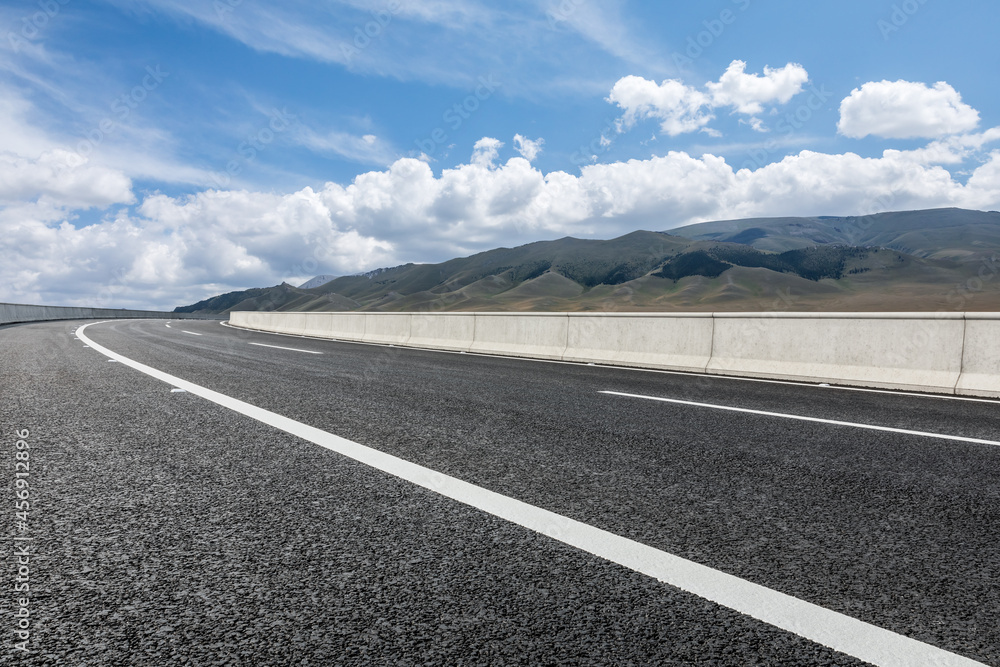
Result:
167,528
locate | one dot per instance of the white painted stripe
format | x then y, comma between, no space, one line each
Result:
290,349
872,427
190,332
169,327
840,632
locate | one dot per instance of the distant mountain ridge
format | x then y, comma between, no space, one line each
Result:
318,281
934,233
914,260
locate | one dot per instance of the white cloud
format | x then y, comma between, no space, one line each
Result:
485,152
365,149
748,93
984,185
905,110
472,38
176,250
681,108
756,124
130,145
951,150
603,24
19,134
64,178
528,148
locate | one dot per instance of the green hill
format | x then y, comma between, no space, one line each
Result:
943,259
940,233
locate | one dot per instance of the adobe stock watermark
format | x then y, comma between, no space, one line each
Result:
456,115
33,24
22,542
899,17
563,12
959,297
792,121
365,35
122,107
698,43
224,8
247,151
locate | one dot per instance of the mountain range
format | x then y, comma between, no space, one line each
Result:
940,259
318,281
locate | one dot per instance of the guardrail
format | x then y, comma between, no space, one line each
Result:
951,353
12,313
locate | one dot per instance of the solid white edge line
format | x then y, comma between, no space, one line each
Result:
830,628
819,420
290,349
712,376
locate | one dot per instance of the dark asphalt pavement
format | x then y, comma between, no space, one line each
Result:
169,530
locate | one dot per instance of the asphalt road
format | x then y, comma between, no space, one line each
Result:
166,529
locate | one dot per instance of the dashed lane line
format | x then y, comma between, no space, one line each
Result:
290,349
835,422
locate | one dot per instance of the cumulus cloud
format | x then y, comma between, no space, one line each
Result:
748,93
173,250
485,151
528,148
955,149
64,177
681,108
905,110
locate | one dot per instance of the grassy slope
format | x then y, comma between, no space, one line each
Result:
935,264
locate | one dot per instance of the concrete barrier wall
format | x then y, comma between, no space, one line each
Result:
11,313
295,323
443,331
897,350
678,342
251,320
936,352
981,356
540,335
388,328
349,326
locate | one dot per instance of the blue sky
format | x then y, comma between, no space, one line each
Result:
156,152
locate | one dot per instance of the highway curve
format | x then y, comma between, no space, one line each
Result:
165,528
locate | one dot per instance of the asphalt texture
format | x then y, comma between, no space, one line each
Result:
167,530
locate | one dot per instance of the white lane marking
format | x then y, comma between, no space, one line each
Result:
190,332
290,349
169,327
661,371
924,434
832,629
